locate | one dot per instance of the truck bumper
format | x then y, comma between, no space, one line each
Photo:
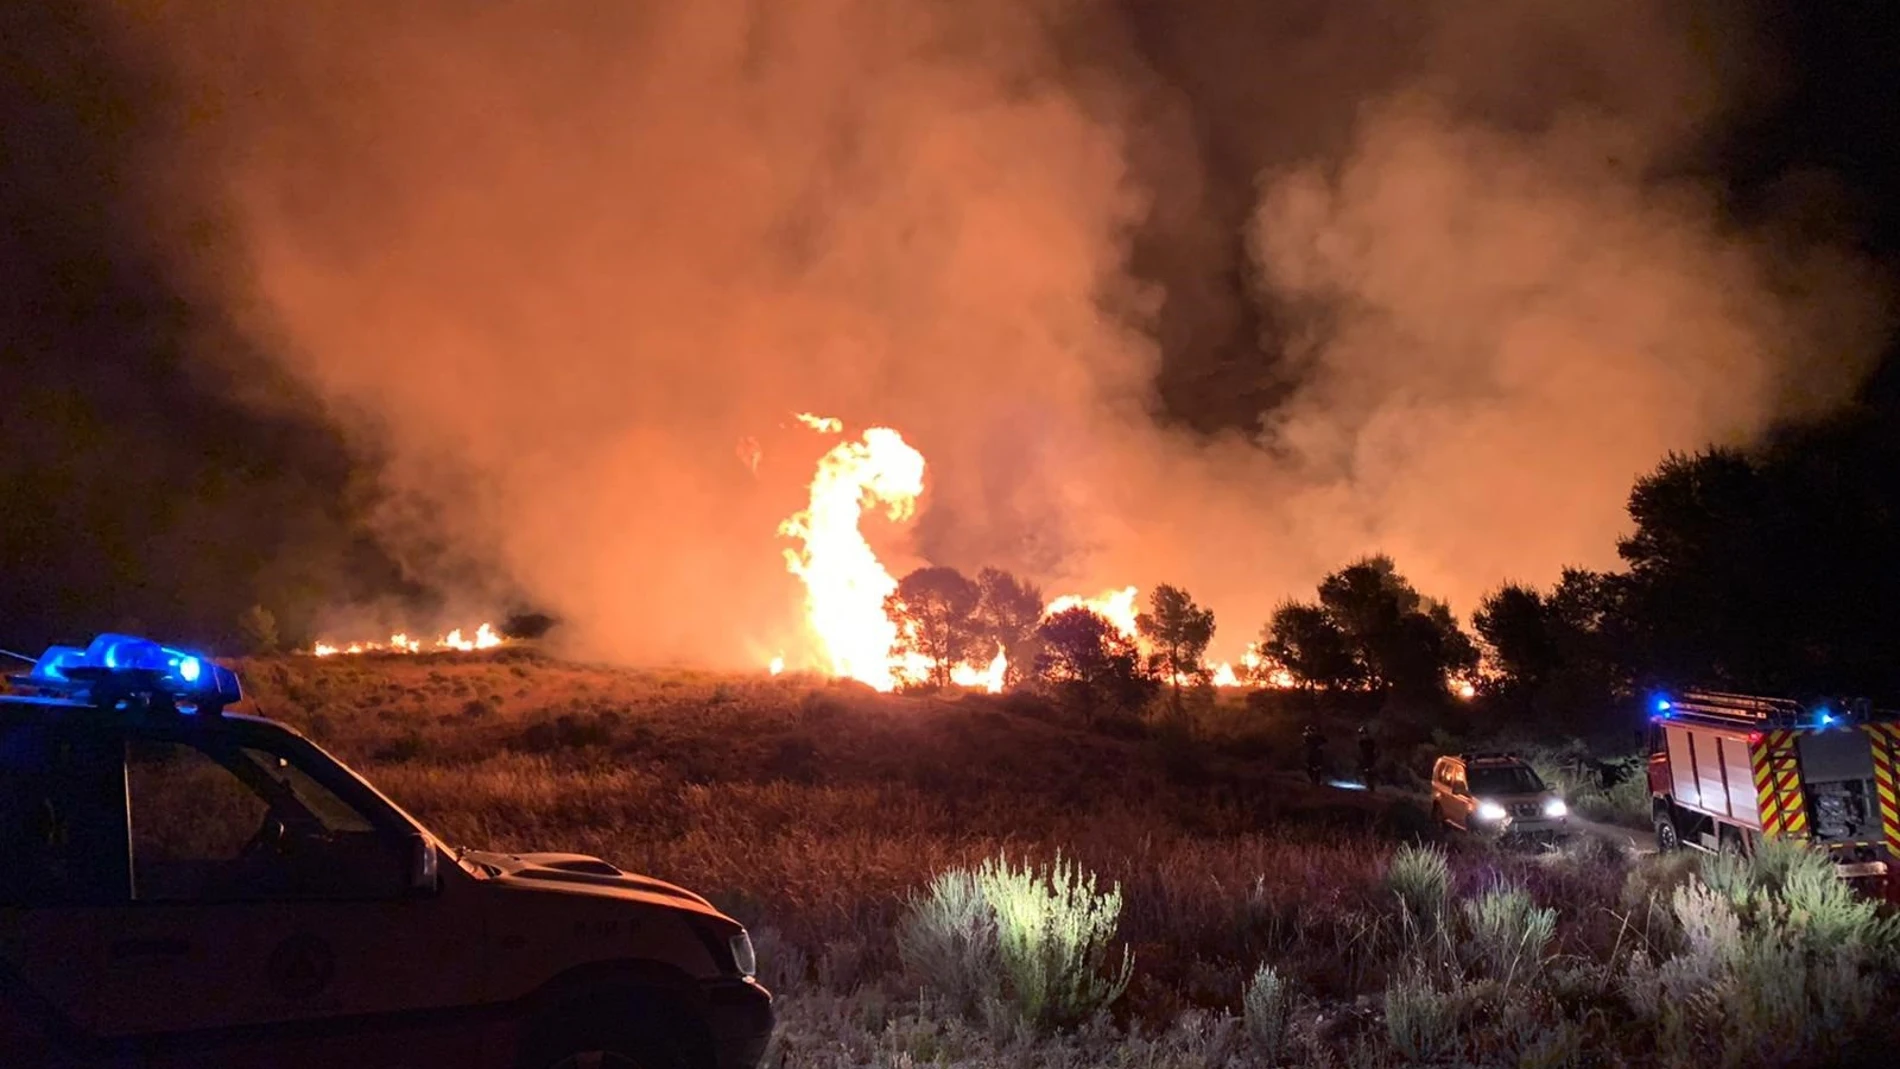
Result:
739,1016
1535,830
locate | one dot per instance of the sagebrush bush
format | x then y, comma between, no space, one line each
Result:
1778,962
1421,1021
947,941
1267,1007
1053,930
1017,945
1508,934
1421,878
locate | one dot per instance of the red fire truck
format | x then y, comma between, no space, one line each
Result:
1726,770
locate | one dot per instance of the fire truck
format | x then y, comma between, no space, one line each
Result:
1727,770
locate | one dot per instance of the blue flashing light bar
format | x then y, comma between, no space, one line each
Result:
113,668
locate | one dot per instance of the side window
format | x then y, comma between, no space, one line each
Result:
62,828
214,822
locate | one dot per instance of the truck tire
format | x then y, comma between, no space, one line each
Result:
1668,840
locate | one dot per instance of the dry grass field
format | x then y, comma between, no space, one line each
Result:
818,814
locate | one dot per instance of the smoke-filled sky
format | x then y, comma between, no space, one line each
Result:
1216,294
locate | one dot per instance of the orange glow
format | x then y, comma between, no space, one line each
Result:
1115,606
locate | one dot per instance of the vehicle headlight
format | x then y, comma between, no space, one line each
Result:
1555,807
744,958
1491,811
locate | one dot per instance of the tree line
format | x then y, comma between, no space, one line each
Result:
1770,571
1368,630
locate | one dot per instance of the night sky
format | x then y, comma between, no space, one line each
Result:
158,471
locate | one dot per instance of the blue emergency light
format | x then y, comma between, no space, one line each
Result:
115,669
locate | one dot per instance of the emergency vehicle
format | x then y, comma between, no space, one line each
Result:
181,886
1726,770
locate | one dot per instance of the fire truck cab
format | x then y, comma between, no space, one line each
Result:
180,887
1726,770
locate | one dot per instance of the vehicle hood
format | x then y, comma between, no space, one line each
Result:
579,872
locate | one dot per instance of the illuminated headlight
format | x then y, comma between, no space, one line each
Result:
1555,808
744,958
1491,811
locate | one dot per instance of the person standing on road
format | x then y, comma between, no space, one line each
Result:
1315,752
1368,755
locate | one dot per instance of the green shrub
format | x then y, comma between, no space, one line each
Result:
1017,945
947,941
1778,962
1421,1022
1267,1006
1508,934
1053,929
1421,878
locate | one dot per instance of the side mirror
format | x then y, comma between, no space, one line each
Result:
425,876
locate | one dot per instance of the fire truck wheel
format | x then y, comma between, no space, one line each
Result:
1667,839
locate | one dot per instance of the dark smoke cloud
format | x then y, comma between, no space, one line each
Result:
1437,283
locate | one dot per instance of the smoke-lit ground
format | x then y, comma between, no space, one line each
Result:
1180,295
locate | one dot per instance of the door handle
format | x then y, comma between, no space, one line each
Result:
149,948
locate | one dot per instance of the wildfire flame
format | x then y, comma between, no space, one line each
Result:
485,638
845,583
1116,606
821,424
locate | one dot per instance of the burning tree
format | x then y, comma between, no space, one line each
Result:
1091,663
935,610
1008,611
1179,631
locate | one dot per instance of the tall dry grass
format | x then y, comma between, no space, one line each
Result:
816,813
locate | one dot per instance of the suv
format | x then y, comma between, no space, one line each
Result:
1498,795
180,887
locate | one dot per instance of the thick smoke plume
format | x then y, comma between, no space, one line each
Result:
567,270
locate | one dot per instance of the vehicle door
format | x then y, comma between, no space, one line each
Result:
62,869
275,920
1461,804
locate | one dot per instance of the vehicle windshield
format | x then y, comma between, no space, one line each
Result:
1504,779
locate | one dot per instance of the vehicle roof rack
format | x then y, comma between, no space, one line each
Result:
1489,755
1749,710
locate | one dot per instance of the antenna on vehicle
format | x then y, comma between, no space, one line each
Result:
19,656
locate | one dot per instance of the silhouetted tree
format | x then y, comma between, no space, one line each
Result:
1179,630
1406,642
1089,662
1515,624
1771,571
935,613
1008,610
1305,641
